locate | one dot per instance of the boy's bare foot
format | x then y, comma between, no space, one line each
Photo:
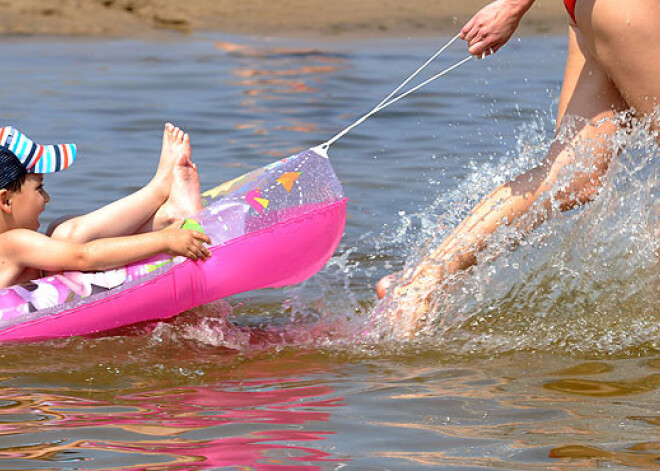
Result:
171,153
184,199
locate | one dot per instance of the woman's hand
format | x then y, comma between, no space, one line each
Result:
493,26
187,243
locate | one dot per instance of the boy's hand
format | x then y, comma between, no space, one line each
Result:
187,243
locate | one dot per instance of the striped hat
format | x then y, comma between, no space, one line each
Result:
37,158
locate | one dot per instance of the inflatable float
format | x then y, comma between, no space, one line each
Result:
272,227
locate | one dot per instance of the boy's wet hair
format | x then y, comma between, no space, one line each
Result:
12,171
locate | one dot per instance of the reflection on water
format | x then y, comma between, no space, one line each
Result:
543,360
606,388
640,456
254,424
266,75
162,425
314,410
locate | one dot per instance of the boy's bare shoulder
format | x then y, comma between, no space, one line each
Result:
20,234
16,240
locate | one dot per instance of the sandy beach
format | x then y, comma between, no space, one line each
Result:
341,19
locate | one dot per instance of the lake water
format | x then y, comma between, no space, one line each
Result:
546,357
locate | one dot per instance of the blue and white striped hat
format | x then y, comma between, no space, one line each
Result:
37,158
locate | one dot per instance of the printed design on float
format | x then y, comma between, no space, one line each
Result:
259,199
287,180
255,200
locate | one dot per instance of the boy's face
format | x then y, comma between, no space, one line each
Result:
29,202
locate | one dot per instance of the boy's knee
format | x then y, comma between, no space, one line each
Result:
63,228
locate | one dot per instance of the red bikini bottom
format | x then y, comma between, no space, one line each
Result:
570,6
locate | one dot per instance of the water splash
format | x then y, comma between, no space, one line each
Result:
584,282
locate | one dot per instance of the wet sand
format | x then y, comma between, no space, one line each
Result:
341,19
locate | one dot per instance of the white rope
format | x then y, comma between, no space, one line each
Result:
388,100
422,67
426,82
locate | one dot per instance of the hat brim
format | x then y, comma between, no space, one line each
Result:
37,158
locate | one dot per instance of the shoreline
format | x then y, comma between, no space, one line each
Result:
314,19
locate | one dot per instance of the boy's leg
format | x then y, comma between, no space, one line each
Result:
138,210
586,92
184,198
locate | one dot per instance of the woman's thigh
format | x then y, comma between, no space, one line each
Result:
588,94
587,90
624,37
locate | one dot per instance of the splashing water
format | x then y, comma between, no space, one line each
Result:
585,282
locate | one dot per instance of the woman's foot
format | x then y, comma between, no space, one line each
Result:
412,294
384,285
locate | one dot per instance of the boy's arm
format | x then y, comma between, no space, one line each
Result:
31,249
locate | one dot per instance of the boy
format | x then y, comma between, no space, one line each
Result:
117,234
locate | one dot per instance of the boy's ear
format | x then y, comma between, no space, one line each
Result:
5,201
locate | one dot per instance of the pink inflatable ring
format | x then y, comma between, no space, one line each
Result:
272,227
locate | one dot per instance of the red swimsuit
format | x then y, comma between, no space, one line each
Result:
570,6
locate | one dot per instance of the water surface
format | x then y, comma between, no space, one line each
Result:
546,358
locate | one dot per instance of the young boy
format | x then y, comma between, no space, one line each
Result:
120,233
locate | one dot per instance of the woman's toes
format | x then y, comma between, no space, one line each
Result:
384,285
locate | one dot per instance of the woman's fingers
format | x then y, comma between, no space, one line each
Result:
491,27
483,48
465,30
472,33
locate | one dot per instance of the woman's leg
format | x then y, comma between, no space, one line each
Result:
623,36
587,92
150,208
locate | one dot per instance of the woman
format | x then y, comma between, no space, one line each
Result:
613,65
